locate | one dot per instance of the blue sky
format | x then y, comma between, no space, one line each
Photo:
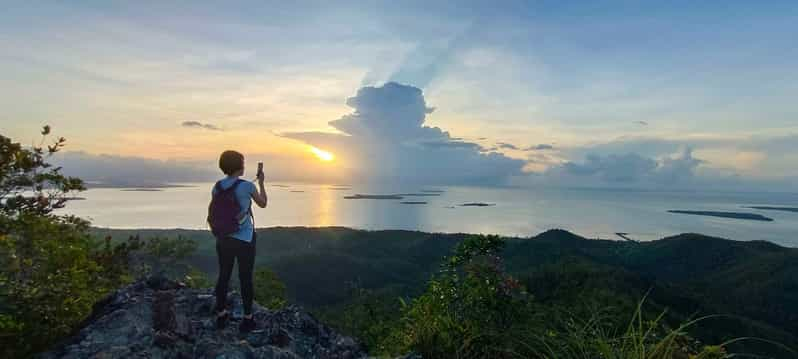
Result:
626,85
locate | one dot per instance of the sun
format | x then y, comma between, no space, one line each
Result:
322,155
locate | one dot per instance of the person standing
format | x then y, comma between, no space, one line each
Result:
231,221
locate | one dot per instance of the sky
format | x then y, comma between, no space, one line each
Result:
677,94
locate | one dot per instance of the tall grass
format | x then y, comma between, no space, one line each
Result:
571,338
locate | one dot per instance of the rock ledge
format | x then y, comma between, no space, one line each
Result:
157,318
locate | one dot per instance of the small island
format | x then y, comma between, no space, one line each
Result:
413,202
374,196
419,194
297,191
477,204
734,215
432,191
770,208
141,190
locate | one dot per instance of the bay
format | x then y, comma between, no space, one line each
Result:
593,213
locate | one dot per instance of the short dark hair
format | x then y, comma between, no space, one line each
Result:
231,162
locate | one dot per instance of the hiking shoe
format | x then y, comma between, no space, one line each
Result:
221,320
247,325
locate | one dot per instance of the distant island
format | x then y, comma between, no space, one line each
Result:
297,191
419,194
432,191
735,215
374,196
477,204
123,185
141,190
413,202
769,208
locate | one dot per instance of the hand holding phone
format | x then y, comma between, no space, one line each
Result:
261,176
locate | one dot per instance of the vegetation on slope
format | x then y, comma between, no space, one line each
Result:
52,270
357,280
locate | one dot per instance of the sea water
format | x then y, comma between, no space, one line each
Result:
593,213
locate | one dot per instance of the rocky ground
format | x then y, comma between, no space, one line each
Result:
158,318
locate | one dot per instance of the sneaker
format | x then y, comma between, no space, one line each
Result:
247,325
221,320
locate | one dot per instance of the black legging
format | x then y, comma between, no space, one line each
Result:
228,250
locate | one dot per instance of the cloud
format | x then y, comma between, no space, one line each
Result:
540,147
612,168
115,170
385,139
679,168
507,146
127,171
627,169
197,124
453,144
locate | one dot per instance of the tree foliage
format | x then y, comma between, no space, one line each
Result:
28,184
269,290
51,269
470,309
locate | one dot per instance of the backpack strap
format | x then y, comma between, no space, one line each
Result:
235,184
218,187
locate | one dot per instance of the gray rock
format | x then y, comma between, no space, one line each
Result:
158,318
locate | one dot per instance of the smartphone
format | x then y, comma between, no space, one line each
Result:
260,168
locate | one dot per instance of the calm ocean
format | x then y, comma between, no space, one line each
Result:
517,212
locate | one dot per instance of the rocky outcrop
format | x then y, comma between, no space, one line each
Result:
162,319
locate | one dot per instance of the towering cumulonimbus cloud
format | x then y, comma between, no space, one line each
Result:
385,139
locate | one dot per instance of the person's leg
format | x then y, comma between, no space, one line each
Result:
246,262
226,256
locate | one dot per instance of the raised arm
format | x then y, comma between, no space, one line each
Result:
259,196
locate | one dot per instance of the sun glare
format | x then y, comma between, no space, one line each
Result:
322,155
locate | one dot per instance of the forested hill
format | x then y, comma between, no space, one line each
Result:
689,273
754,285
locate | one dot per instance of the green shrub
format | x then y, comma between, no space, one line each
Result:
269,290
473,309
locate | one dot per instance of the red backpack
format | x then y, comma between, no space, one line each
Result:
224,211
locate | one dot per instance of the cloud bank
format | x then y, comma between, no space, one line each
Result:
630,169
385,139
101,170
540,147
111,170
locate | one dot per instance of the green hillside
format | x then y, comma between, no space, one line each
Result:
751,285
